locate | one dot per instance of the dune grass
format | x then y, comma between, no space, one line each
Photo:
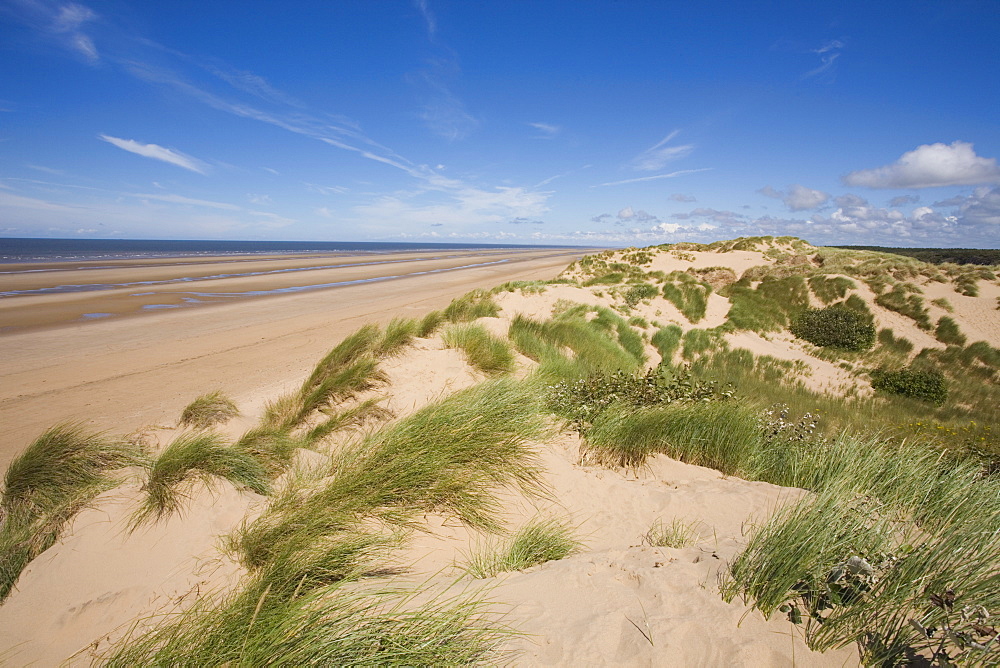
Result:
484,352
471,306
721,435
429,324
537,542
667,340
396,335
872,557
769,306
190,458
209,410
675,534
688,294
56,476
448,457
332,625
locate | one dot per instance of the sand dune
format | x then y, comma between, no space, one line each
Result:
619,601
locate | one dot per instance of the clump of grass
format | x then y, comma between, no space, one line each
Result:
638,292
539,541
943,303
485,352
900,347
675,534
947,331
46,485
396,335
209,410
333,625
429,324
596,344
667,340
273,448
365,412
198,457
768,307
697,342
450,456
830,288
721,435
472,306
688,294
903,299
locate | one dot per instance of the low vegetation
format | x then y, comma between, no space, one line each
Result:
834,326
209,410
537,542
485,352
56,476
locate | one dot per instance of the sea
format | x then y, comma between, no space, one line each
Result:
58,250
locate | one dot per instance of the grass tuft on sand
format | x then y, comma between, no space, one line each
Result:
196,457
484,352
209,410
537,542
46,485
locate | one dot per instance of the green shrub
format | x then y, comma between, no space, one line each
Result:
834,326
948,332
636,293
909,382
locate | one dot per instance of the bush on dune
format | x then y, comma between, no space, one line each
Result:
836,327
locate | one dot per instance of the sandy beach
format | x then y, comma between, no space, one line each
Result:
140,366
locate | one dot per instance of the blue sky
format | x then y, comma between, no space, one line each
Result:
584,122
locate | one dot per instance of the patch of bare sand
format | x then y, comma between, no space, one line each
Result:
978,317
98,579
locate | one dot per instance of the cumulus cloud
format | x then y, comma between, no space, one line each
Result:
800,198
797,197
679,197
982,207
655,157
931,166
157,152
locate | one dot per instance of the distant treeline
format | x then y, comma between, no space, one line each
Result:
940,255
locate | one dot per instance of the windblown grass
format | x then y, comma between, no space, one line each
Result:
472,306
688,294
895,542
397,334
721,435
667,340
46,485
330,626
539,541
209,410
485,352
191,458
450,457
429,324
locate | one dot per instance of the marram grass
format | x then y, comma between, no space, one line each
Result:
484,352
537,542
209,410
451,457
46,485
196,457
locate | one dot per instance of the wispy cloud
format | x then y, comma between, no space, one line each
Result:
547,130
671,175
429,20
828,54
157,152
655,157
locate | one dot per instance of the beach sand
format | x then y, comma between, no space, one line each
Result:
141,367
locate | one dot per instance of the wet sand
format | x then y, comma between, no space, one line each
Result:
139,366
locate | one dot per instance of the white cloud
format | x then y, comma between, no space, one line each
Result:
982,207
800,198
69,22
259,199
671,175
930,166
679,197
667,228
655,157
797,198
157,153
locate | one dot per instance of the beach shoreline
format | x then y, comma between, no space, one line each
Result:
140,366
